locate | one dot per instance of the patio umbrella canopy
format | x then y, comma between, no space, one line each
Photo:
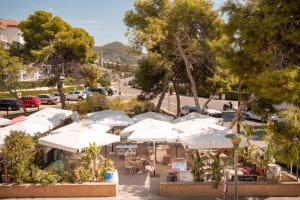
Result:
204,139
110,118
195,115
197,124
152,115
150,130
4,121
76,136
54,116
39,122
146,124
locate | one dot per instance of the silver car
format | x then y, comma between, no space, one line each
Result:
48,99
76,95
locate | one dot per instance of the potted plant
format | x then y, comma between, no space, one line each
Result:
198,166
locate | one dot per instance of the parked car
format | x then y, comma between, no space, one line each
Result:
186,109
48,99
250,115
31,101
76,95
97,89
214,113
9,104
109,91
56,94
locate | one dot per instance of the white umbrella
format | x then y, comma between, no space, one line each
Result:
152,115
150,124
196,124
74,139
54,116
150,130
110,118
4,121
195,115
207,140
30,126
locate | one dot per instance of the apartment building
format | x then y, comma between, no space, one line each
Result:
9,32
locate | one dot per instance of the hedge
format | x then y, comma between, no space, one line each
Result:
233,96
37,92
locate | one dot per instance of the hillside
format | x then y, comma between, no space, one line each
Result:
119,53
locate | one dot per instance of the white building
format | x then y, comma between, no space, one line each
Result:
9,32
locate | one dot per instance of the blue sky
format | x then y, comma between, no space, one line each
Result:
103,19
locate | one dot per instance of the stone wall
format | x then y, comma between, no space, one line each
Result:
58,190
247,189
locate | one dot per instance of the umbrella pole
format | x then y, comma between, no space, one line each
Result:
154,164
176,149
105,151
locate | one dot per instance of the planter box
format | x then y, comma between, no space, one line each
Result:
58,190
246,189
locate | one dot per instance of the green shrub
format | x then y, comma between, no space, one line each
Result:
94,103
18,153
233,96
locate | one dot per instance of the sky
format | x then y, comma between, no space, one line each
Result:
103,19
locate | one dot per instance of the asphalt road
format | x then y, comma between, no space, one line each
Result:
168,104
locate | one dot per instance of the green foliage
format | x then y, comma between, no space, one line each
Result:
233,96
90,75
93,164
131,107
217,169
283,138
18,153
198,166
104,80
149,77
94,103
263,38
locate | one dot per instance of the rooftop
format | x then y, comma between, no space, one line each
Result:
8,23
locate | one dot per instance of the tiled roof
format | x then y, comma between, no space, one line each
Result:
8,22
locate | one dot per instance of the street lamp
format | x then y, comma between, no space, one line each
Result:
235,140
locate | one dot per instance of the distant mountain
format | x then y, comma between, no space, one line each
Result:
119,53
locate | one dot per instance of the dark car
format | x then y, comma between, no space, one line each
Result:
31,101
9,104
186,109
109,91
97,89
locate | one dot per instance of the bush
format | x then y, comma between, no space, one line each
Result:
131,107
94,103
233,96
18,153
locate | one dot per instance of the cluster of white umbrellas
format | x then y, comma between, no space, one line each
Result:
39,122
195,131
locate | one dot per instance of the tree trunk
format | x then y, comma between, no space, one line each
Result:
176,88
60,90
188,67
239,111
206,103
14,94
163,93
238,127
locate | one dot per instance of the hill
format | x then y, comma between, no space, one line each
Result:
119,53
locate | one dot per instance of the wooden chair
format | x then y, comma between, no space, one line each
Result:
128,166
